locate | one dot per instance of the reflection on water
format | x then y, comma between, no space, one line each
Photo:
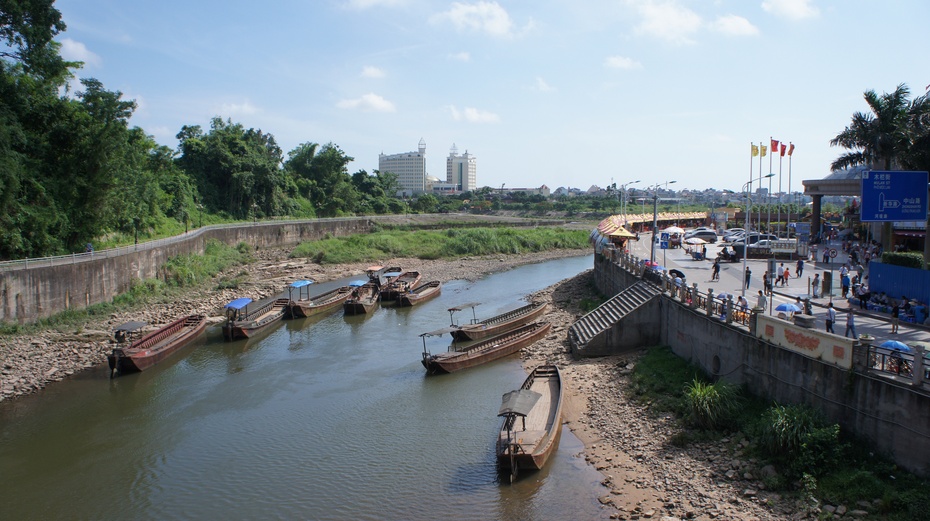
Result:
322,418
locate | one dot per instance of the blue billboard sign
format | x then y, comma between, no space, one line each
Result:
893,196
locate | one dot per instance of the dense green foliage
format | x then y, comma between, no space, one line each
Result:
710,405
813,458
428,244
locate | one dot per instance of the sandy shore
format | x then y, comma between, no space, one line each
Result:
645,476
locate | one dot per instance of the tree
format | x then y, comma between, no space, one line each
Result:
27,27
877,139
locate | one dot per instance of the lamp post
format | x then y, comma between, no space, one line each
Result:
623,196
655,218
746,234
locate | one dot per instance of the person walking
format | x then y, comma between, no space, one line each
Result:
799,269
748,276
844,282
831,317
766,282
760,302
895,315
850,325
815,286
785,277
715,275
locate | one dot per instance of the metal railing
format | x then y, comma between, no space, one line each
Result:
895,363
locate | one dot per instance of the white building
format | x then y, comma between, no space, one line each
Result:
410,168
461,170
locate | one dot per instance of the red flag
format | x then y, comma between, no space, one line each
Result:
774,145
783,149
790,149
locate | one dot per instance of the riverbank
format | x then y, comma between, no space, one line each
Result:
30,363
645,475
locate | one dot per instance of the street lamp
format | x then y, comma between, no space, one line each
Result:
746,234
655,217
623,196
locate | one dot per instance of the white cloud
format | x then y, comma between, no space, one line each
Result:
473,115
622,62
372,72
76,51
463,56
668,21
488,17
734,26
542,86
237,109
791,9
370,102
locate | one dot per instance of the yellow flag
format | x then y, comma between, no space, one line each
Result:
763,150
755,151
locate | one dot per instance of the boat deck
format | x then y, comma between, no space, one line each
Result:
539,420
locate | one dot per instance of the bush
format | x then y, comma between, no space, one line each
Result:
795,436
710,405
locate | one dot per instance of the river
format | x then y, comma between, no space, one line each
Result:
327,418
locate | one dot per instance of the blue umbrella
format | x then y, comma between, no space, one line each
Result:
895,345
357,283
789,307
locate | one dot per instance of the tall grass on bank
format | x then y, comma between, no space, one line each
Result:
440,244
813,457
179,272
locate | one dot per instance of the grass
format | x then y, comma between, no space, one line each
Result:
439,244
812,456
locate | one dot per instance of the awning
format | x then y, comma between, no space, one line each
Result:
460,307
301,283
239,303
129,327
519,402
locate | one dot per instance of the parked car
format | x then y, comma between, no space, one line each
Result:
754,237
706,235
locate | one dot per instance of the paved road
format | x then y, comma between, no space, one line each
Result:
875,324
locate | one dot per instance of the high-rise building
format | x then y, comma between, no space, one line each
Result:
409,167
461,170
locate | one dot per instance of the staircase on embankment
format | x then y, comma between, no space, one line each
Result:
629,319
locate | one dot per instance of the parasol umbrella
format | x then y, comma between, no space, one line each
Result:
695,240
673,230
788,307
676,273
724,295
895,345
651,264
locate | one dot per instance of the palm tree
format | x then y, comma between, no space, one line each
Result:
877,139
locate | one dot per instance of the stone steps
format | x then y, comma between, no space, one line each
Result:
609,313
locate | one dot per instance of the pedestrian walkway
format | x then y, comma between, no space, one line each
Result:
873,323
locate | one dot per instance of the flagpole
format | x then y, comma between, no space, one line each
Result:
790,197
748,208
769,195
761,155
780,156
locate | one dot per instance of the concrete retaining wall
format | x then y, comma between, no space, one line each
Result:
38,292
893,415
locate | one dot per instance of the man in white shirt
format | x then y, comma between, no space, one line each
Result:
831,317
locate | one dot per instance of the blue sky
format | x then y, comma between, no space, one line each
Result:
561,93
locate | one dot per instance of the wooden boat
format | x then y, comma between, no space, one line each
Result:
400,284
421,293
497,324
243,323
483,351
155,346
307,306
362,300
532,422
380,276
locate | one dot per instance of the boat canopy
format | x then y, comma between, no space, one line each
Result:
239,303
392,274
129,327
519,402
440,332
460,307
357,283
301,283
374,268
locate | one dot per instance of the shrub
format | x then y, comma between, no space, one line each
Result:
710,405
795,436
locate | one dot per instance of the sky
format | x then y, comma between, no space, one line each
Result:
562,93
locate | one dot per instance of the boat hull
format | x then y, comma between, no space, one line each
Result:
403,283
420,294
261,321
325,303
501,323
532,447
487,350
362,301
156,346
